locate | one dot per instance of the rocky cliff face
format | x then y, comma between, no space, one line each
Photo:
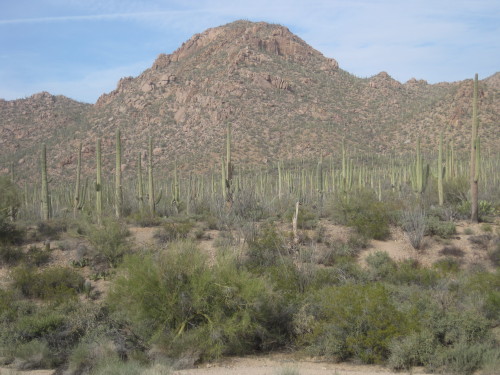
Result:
282,97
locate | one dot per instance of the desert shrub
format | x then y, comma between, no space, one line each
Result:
247,206
447,265
306,219
87,356
178,301
362,211
267,248
468,231
436,227
51,229
10,201
491,362
409,272
485,209
494,253
10,255
51,283
456,190
414,224
453,251
353,321
109,241
32,355
10,233
173,231
415,349
486,227
482,240
37,257
461,358
381,266
487,285
144,219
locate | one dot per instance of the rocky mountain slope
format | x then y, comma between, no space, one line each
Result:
283,98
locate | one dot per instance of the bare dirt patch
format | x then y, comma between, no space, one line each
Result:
275,363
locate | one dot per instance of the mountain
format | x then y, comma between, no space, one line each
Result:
283,98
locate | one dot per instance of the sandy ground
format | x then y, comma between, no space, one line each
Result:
276,364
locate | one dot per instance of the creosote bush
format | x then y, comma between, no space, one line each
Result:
353,321
436,227
363,211
50,283
173,231
109,241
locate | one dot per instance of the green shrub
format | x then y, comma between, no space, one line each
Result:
32,355
87,356
461,358
267,248
491,362
173,231
485,227
144,219
10,255
353,321
415,349
183,305
364,212
447,265
51,283
468,231
453,251
110,241
52,229
487,285
307,218
10,233
494,253
409,272
456,190
10,201
436,227
381,266
37,257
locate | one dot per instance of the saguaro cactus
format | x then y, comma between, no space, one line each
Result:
76,198
440,171
229,166
118,176
140,187
151,188
474,153
98,183
45,185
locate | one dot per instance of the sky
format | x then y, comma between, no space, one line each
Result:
81,48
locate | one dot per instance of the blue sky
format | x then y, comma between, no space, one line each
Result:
81,48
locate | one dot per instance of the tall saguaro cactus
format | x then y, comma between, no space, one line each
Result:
118,176
474,170
151,188
140,188
440,171
76,198
45,185
98,183
229,166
